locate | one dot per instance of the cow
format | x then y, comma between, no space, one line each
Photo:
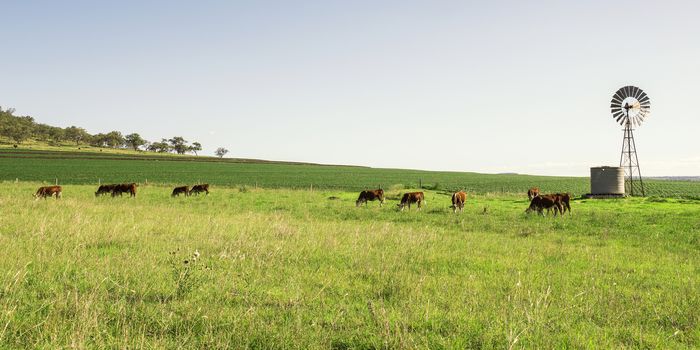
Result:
122,188
541,202
196,189
177,191
48,191
564,199
532,193
104,189
412,197
458,199
370,195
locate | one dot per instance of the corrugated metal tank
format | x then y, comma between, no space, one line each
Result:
607,180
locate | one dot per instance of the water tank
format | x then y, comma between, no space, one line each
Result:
607,180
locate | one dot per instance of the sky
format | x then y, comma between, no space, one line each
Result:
484,86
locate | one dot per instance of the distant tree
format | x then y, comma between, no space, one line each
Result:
19,129
221,152
99,140
77,134
178,144
161,147
115,139
196,146
57,134
134,141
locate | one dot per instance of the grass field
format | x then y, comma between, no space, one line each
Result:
71,167
295,269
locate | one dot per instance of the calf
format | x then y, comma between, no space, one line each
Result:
196,189
412,197
458,199
177,191
48,191
532,193
370,195
104,189
541,202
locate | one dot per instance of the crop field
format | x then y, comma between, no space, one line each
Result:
93,168
284,268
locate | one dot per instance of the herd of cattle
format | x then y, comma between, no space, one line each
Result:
119,189
557,202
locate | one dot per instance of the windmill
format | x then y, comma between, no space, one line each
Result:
629,106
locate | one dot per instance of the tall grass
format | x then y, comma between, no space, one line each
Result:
293,269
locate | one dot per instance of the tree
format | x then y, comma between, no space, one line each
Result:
196,146
76,134
99,140
115,139
178,144
134,141
221,152
160,147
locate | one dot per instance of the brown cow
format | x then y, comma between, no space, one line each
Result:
532,193
370,195
48,191
123,188
199,188
458,199
541,202
104,189
177,191
412,197
564,199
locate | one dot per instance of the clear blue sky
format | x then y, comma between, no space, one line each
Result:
497,86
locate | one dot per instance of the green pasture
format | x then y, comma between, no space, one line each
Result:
93,168
285,268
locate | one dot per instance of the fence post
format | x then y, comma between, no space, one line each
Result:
420,183
56,181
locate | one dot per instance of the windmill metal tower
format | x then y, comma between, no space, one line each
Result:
629,106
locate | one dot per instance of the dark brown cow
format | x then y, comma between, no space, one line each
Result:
532,193
124,188
370,195
541,202
104,189
196,189
564,199
48,191
458,199
412,197
177,191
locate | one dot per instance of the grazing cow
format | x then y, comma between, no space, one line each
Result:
104,189
48,191
177,191
124,188
564,199
412,197
541,202
199,188
532,193
370,195
458,199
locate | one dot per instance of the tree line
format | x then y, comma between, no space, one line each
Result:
23,128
